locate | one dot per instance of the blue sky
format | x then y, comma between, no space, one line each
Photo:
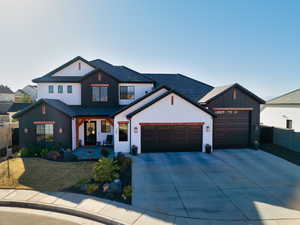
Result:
254,43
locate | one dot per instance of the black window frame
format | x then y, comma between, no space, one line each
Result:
123,132
105,126
289,124
126,93
70,89
45,133
100,94
58,89
50,89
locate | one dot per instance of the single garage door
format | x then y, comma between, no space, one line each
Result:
231,129
171,138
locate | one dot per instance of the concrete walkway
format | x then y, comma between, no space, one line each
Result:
246,186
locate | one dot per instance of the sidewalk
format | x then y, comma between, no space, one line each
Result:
107,212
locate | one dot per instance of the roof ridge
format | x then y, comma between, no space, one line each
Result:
280,96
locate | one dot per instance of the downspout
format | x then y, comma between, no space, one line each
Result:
130,135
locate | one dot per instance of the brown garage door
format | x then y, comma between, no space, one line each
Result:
231,129
171,138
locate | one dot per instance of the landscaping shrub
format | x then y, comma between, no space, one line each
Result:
91,188
25,152
83,181
127,192
105,152
106,170
3,152
53,155
44,152
124,163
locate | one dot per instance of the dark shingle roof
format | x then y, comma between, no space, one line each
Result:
292,97
186,86
4,106
214,93
72,111
164,95
5,90
120,73
15,107
94,111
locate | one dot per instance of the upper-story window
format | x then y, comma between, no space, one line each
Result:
70,89
100,94
50,89
126,92
60,89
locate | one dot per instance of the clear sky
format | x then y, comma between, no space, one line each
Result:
255,43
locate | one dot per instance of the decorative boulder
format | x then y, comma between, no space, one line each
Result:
106,187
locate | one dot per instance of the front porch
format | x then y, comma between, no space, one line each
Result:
92,152
92,132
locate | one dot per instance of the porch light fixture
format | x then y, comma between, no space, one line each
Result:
207,128
60,130
25,130
135,130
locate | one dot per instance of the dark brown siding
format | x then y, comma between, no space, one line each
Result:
61,121
86,90
242,100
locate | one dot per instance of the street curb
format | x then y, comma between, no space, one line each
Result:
57,209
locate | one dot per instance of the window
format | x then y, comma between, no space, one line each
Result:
43,109
99,77
60,89
50,89
79,66
44,133
99,94
105,126
70,89
234,93
123,132
126,92
289,124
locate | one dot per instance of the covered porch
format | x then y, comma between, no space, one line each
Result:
92,131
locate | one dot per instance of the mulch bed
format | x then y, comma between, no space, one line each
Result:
287,154
125,177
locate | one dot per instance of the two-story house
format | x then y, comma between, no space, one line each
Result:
82,102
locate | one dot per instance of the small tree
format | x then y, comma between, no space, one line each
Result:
106,170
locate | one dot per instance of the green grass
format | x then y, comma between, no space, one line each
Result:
43,175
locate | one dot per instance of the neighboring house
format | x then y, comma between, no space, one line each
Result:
16,107
27,94
283,111
4,117
82,102
6,94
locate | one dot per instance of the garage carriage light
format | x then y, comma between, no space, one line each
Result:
135,130
207,128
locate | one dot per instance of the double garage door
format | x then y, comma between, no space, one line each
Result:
171,138
231,129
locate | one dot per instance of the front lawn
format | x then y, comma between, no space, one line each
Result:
43,175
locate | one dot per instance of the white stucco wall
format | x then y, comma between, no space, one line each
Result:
73,69
276,116
140,90
124,146
71,99
163,112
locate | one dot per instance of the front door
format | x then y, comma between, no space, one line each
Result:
90,133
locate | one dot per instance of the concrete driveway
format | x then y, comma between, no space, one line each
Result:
227,185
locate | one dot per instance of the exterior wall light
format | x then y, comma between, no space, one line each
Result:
25,130
135,130
60,130
207,129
